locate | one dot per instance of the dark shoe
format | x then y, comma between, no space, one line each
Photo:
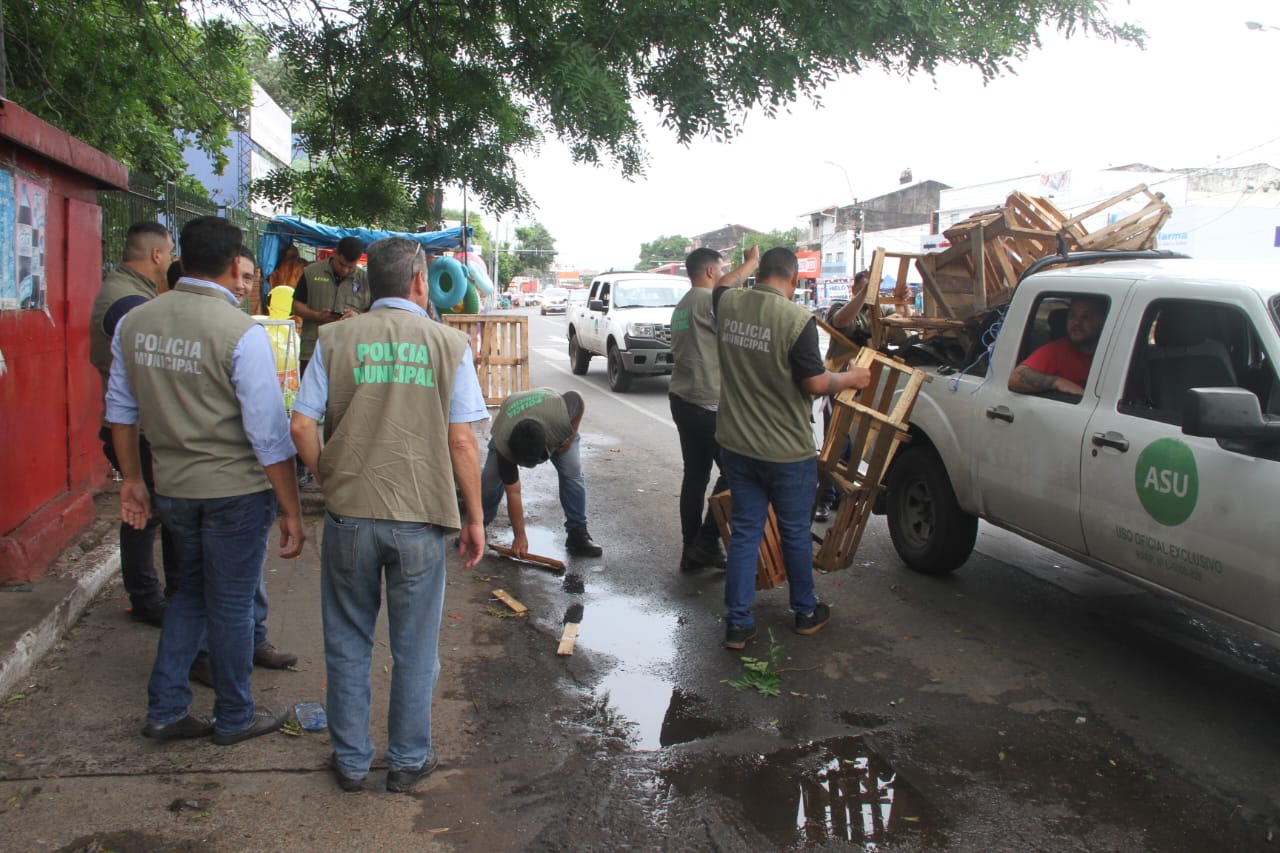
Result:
188,727
400,781
267,655
703,553
736,637
264,722
580,545
822,512
149,614
201,672
815,621
350,784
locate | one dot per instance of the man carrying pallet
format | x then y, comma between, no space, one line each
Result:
770,370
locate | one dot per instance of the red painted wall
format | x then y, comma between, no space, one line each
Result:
50,396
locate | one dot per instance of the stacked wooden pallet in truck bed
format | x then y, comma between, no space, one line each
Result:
990,250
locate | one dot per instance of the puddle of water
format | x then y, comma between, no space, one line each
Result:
839,790
642,642
689,717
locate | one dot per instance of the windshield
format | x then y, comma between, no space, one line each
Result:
648,294
555,293
1275,311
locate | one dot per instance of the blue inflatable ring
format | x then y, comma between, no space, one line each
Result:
447,282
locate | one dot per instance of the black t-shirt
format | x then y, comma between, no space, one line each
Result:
300,289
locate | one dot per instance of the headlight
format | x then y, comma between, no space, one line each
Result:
640,330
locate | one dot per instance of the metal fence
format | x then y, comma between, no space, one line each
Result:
152,199
149,198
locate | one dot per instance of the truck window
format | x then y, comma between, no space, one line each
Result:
1056,352
1184,344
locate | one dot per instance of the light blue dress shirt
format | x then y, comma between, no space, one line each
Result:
466,400
253,376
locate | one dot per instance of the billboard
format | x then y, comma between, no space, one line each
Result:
270,127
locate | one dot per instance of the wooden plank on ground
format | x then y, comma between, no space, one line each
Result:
506,598
567,639
535,559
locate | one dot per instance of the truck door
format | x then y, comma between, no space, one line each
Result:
1029,444
595,327
1177,511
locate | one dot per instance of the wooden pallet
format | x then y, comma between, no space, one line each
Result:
771,571
875,425
500,344
991,250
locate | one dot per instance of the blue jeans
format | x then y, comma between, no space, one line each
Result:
221,544
354,555
573,485
755,484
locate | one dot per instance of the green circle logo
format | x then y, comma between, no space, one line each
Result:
1167,482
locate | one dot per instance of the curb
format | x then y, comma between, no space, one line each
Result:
35,643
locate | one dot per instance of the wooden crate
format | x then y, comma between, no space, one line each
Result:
875,425
991,250
771,571
500,343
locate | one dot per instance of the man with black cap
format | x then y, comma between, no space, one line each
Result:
329,290
530,428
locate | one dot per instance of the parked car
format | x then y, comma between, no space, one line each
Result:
555,300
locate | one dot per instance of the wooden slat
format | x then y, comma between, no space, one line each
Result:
567,639
500,346
506,598
534,559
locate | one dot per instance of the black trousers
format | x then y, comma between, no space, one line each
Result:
699,450
137,547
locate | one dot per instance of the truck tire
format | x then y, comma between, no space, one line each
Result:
619,379
579,359
930,531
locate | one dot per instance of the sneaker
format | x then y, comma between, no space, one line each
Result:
814,622
149,614
264,722
350,784
579,543
736,637
703,553
268,656
188,727
201,672
401,781
822,511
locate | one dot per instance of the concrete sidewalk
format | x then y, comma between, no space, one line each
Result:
35,616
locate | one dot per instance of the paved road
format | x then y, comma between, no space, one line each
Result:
1022,704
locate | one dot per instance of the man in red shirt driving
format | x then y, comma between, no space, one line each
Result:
1063,365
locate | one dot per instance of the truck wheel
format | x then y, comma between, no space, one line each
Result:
579,359
930,531
619,379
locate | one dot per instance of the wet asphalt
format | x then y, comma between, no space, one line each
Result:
1024,703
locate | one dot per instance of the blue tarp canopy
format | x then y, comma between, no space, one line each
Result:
283,231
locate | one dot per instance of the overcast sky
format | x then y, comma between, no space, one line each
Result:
1201,94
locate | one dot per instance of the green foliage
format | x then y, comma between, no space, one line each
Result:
663,250
761,675
788,239
535,238
126,75
436,94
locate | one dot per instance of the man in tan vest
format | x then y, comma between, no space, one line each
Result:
330,290
198,376
148,249
398,393
770,371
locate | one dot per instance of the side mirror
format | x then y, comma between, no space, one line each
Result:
1231,414
596,305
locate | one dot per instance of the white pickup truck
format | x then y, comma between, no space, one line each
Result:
626,319
1166,472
